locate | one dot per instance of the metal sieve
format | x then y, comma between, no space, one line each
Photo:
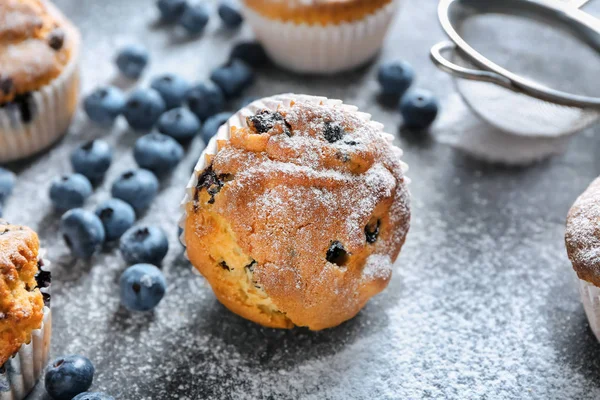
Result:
523,91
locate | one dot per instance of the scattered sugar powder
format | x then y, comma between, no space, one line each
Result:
377,267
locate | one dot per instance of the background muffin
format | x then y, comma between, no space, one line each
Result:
39,80
25,318
320,36
298,212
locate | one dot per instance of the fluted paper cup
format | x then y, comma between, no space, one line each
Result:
322,49
590,297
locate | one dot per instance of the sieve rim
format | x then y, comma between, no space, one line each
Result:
492,72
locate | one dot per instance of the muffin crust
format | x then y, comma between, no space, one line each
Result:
316,12
21,302
35,46
299,216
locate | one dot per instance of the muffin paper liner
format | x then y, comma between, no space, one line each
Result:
322,49
20,374
53,107
239,120
590,296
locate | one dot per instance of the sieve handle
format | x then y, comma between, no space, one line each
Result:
438,58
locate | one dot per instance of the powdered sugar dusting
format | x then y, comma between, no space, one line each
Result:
377,267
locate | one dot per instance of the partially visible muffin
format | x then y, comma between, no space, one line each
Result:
320,36
583,248
21,301
39,80
299,215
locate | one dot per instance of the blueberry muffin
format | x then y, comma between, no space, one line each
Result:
297,211
320,36
39,79
24,310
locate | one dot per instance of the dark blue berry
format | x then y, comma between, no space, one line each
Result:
69,376
93,396
233,77
170,10
116,216
179,123
143,108
132,60
172,89
230,13
246,101
82,231
212,125
70,191
194,18
395,77
158,153
419,108
144,244
142,287
252,53
7,183
205,100
92,159
136,187
104,105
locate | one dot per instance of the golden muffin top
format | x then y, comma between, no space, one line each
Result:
583,234
35,46
316,12
313,200
21,302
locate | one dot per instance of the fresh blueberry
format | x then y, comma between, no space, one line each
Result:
144,244
116,216
205,100
419,108
136,187
1,210
104,105
143,108
170,10
7,183
179,123
92,159
252,53
82,231
194,18
230,13
70,191
395,77
142,287
68,376
172,89
233,77
157,152
132,60
93,396
212,125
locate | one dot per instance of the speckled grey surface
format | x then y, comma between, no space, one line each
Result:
482,305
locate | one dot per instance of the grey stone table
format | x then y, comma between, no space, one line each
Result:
482,305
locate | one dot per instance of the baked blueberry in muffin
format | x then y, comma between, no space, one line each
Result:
297,212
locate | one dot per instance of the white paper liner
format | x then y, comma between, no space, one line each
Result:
322,49
53,108
20,374
239,120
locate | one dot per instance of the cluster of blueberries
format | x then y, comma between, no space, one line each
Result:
193,18
69,378
419,107
179,111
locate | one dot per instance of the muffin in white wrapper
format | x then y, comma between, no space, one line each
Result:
322,49
590,297
41,117
20,374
